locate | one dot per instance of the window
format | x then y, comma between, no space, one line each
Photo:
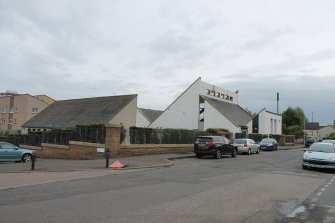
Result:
10,121
14,121
34,110
4,110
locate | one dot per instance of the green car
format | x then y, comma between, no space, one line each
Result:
10,152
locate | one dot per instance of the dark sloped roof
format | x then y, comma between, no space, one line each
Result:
150,114
312,126
232,112
69,113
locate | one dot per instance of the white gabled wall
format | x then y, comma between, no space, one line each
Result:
269,123
214,119
183,112
141,120
127,116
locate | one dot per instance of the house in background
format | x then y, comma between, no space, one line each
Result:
145,117
45,99
266,122
312,129
325,131
99,110
16,109
202,106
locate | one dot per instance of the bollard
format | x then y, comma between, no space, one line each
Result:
107,157
33,159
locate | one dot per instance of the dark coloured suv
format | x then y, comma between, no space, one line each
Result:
215,146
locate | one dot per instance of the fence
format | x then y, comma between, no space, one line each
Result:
163,136
93,134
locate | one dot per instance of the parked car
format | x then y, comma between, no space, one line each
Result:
319,155
10,152
215,146
268,144
329,141
310,141
246,146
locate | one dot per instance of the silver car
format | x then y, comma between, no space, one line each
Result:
246,146
319,155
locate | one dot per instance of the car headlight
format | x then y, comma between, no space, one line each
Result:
306,157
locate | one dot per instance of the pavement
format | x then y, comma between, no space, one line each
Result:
53,170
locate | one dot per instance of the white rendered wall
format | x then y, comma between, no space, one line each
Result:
214,119
183,112
269,123
141,121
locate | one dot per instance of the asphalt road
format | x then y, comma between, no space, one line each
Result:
269,187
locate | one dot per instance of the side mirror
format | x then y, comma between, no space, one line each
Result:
305,150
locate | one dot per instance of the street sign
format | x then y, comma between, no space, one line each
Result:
100,150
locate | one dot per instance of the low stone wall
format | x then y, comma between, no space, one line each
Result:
151,149
75,150
84,150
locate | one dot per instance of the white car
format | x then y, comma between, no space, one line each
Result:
246,146
319,155
329,141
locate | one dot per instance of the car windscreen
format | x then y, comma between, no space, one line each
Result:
240,141
322,147
328,141
266,141
205,139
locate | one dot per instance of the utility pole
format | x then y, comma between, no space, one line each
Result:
277,103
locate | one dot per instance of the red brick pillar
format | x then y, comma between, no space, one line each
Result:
112,140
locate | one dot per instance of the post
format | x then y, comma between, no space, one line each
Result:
33,159
107,157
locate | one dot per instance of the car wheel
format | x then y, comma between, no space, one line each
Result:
234,153
218,154
249,151
26,158
257,151
304,167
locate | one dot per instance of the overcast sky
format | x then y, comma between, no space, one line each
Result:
75,49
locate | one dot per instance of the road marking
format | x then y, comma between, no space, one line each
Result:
297,212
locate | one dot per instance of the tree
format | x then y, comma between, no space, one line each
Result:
293,121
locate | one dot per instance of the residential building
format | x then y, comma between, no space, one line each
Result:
266,122
325,131
67,114
145,117
16,109
202,106
312,129
45,99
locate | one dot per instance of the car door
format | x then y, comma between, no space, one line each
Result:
2,153
252,145
10,151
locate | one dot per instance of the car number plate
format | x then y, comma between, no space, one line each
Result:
202,146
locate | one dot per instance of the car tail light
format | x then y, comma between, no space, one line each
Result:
245,145
211,143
